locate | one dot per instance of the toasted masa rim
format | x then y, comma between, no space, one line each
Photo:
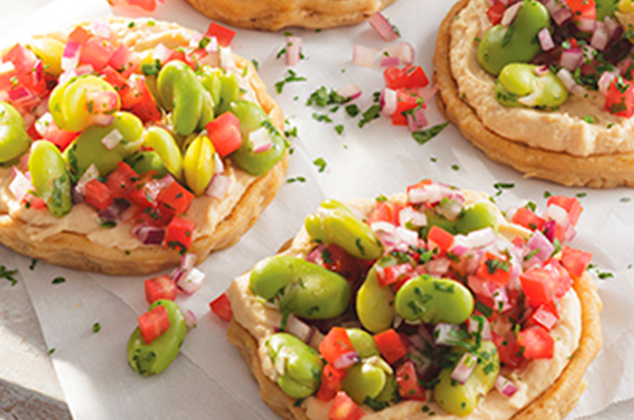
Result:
77,251
599,171
272,15
553,404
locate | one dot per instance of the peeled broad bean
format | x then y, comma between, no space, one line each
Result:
223,87
162,142
153,358
252,117
198,165
363,343
143,162
50,177
334,223
367,379
181,93
459,399
516,43
68,103
433,300
88,148
14,141
518,86
375,304
477,216
300,287
50,51
298,366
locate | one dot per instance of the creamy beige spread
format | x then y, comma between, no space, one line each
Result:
563,130
261,320
205,212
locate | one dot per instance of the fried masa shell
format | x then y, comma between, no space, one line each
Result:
77,251
598,171
554,403
271,15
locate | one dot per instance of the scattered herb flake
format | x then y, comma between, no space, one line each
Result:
547,194
369,115
58,280
291,77
256,64
424,136
51,351
320,163
604,275
589,119
455,167
296,179
433,159
500,186
339,129
33,263
96,327
352,110
625,199
322,117
8,275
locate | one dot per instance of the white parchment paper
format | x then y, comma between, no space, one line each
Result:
209,379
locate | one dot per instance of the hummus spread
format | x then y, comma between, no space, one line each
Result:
563,130
261,321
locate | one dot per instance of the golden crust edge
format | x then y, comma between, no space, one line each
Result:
273,15
78,252
601,171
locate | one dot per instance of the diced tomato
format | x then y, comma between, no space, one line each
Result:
440,237
338,260
620,98
406,100
562,280
97,52
496,12
385,211
147,5
494,269
486,307
154,324
121,180
79,35
545,316
570,204
122,60
390,345
175,198
33,202
161,287
408,386
335,344
223,34
409,77
536,343
518,241
60,138
221,306
420,185
145,106
120,83
155,215
582,9
21,57
98,195
537,284
179,234
394,273
344,408
224,133
575,261
481,287
508,350
331,380
145,191
527,218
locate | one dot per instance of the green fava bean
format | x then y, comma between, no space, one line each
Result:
459,399
143,162
363,343
334,223
207,111
50,177
198,165
518,85
223,87
298,366
433,300
14,141
252,117
153,358
162,142
375,304
68,103
300,287
478,216
367,379
181,93
435,219
516,43
210,79
50,51
88,148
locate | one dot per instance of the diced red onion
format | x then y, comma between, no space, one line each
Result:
20,185
22,96
605,80
464,368
587,25
388,102
407,236
89,174
149,235
161,53
84,69
190,319
77,196
384,28
561,16
474,326
571,58
409,215
541,71
501,300
433,194
566,78
219,165
218,186
112,139
350,91
293,50
538,241
416,120
510,14
102,119
505,386
260,140
387,61
449,208
558,214
600,37
114,211
363,56
481,238
227,60
42,124
193,282
70,57
315,255
188,261
403,51
386,232
346,360
550,229
445,334
545,39
611,25
438,267
419,342
101,28
299,328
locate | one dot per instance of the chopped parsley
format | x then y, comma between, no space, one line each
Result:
322,117
547,194
500,186
376,405
455,167
8,275
588,118
33,262
604,275
151,69
370,114
321,98
320,163
58,280
625,200
255,64
352,110
296,179
291,77
96,327
51,351
339,129
424,136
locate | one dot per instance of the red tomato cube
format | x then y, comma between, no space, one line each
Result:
536,343
335,344
221,306
394,273
336,259
154,324
331,380
224,133
121,180
508,350
179,234
620,98
344,408
570,204
223,34
575,261
496,12
98,195
390,345
408,386
97,52
494,269
175,198
527,218
545,316
161,287
537,284
439,237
